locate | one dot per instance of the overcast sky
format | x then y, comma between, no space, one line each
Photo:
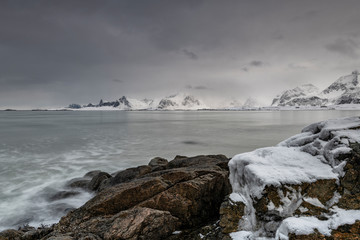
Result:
53,53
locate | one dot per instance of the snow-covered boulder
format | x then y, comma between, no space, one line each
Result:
307,185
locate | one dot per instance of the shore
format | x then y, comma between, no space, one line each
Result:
306,187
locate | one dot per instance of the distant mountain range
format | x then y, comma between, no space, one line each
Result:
345,90
180,101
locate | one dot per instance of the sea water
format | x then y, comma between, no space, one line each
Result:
41,150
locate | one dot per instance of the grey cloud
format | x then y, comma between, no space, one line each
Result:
256,63
190,54
198,87
347,47
201,87
118,80
253,64
297,66
306,16
75,50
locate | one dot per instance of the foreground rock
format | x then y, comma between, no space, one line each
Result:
307,187
147,202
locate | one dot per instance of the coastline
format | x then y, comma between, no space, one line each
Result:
312,175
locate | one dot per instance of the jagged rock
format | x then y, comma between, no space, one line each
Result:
95,182
230,214
91,174
347,231
185,193
141,223
211,231
129,174
135,223
180,161
10,234
158,162
62,195
78,183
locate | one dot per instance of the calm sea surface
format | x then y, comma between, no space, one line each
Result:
40,151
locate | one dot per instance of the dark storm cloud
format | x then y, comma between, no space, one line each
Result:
190,54
347,47
79,51
253,64
256,63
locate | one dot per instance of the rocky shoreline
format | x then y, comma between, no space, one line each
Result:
307,187
162,200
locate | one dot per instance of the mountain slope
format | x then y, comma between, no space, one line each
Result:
287,97
180,101
343,91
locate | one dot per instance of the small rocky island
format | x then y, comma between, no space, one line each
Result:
306,187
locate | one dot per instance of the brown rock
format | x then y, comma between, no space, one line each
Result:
11,234
92,174
198,160
192,195
350,201
97,179
312,210
129,174
322,189
230,215
78,183
192,201
63,195
158,161
113,200
313,236
142,223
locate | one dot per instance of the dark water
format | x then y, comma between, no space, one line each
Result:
39,151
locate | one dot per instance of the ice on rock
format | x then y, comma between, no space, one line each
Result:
307,225
236,197
275,166
307,157
314,201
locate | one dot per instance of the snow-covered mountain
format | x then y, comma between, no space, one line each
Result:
181,101
343,91
251,103
292,96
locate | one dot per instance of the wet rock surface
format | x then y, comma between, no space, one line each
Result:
146,202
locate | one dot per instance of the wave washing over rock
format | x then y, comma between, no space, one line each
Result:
306,187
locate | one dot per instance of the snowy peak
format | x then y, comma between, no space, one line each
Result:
124,102
343,85
180,101
251,103
306,90
345,90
